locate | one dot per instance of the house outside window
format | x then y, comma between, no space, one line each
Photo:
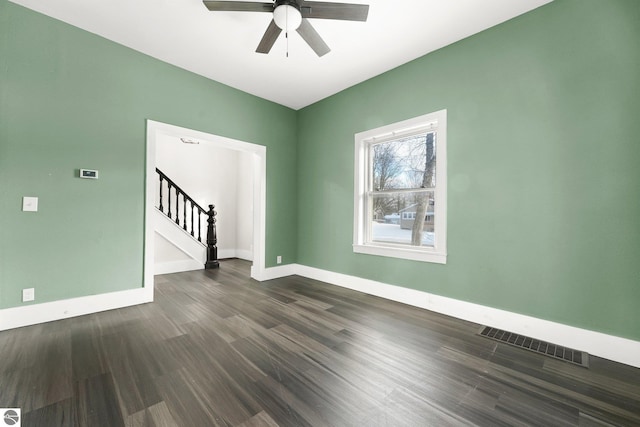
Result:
400,172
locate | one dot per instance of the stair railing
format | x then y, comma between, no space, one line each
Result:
181,220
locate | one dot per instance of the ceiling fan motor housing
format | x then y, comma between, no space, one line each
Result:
287,15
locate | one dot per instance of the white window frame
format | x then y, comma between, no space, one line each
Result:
362,242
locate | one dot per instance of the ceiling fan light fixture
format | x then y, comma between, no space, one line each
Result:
287,16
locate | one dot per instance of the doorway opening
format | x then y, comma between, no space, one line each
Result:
252,153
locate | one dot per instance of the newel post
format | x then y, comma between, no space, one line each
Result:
212,240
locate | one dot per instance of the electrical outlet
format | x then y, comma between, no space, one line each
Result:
28,294
279,259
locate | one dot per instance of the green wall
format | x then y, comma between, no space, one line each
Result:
69,100
544,183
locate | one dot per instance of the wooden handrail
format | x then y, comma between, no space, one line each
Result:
212,239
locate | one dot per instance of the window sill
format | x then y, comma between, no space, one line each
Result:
402,253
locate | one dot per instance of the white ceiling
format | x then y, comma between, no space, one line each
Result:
221,45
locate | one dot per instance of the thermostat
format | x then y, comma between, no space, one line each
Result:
88,173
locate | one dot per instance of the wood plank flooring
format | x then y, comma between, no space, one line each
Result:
219,349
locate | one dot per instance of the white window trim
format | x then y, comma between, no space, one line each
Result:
435,254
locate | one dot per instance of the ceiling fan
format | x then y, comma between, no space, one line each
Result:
292,15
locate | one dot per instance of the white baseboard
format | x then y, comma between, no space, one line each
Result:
235,253
176,266
226,253
244,254
610,347
598,344
27,315
275,272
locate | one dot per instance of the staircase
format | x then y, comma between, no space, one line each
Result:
180,225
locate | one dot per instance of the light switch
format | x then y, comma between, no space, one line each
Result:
30,204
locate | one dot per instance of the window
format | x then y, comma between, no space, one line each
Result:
400,170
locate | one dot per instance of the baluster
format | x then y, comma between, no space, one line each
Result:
160,207
177,206
192,218
169,197
184,212
212,240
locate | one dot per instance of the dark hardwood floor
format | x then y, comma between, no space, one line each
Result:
219,349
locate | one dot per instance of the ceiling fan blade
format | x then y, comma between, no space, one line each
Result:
313,39
269,38
343,11
238,6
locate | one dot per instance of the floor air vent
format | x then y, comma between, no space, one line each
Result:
556,351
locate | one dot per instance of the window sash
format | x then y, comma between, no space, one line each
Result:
371,143
406,216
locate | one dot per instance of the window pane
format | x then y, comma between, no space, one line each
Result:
393,218
405,163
